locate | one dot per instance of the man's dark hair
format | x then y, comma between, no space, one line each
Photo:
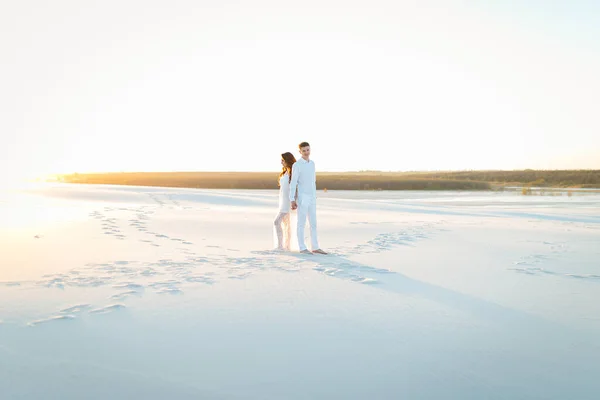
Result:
303,144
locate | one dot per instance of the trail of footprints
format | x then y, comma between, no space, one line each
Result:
533,264
408,236
139,222
73,312
169,277
134,279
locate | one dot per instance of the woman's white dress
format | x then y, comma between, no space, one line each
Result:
284,194
282,224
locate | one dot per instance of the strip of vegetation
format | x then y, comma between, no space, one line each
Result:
528,177
365,180
263,180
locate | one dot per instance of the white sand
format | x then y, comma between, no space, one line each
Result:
152,293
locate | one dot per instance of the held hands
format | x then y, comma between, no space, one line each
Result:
294,205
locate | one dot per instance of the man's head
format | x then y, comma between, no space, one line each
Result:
304,148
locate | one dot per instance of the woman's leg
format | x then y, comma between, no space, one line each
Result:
287,231
279,230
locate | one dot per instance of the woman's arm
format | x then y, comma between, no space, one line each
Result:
294,182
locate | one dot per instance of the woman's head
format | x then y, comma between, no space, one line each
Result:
287,160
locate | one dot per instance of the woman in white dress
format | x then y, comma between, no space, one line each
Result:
283,232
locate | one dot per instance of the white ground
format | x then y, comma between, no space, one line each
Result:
151,293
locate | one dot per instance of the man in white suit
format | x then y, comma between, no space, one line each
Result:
304,179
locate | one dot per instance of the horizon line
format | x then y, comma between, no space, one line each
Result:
326,171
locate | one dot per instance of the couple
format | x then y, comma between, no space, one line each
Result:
297,191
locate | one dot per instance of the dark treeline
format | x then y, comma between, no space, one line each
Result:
265,180
543,178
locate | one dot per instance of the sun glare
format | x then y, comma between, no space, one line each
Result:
24,206
19,182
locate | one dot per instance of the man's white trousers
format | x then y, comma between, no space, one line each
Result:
307,207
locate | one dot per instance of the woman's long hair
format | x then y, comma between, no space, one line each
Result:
289,160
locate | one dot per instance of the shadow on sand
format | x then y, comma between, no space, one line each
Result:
338,266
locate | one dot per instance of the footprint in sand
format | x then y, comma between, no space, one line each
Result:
365,281
187,252
51,319
10,284
267,252
167,287
108,309
129,285
240,276
55,282
123,295
583,276
343,274
173,291
200,279
530,264
76,309
149,272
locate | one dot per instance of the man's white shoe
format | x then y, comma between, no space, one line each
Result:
305,251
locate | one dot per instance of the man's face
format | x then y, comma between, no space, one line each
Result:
305,151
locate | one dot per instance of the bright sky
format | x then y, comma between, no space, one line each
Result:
124,85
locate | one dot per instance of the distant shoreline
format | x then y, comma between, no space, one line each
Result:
370,180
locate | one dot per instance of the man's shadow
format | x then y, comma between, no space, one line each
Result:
339,266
